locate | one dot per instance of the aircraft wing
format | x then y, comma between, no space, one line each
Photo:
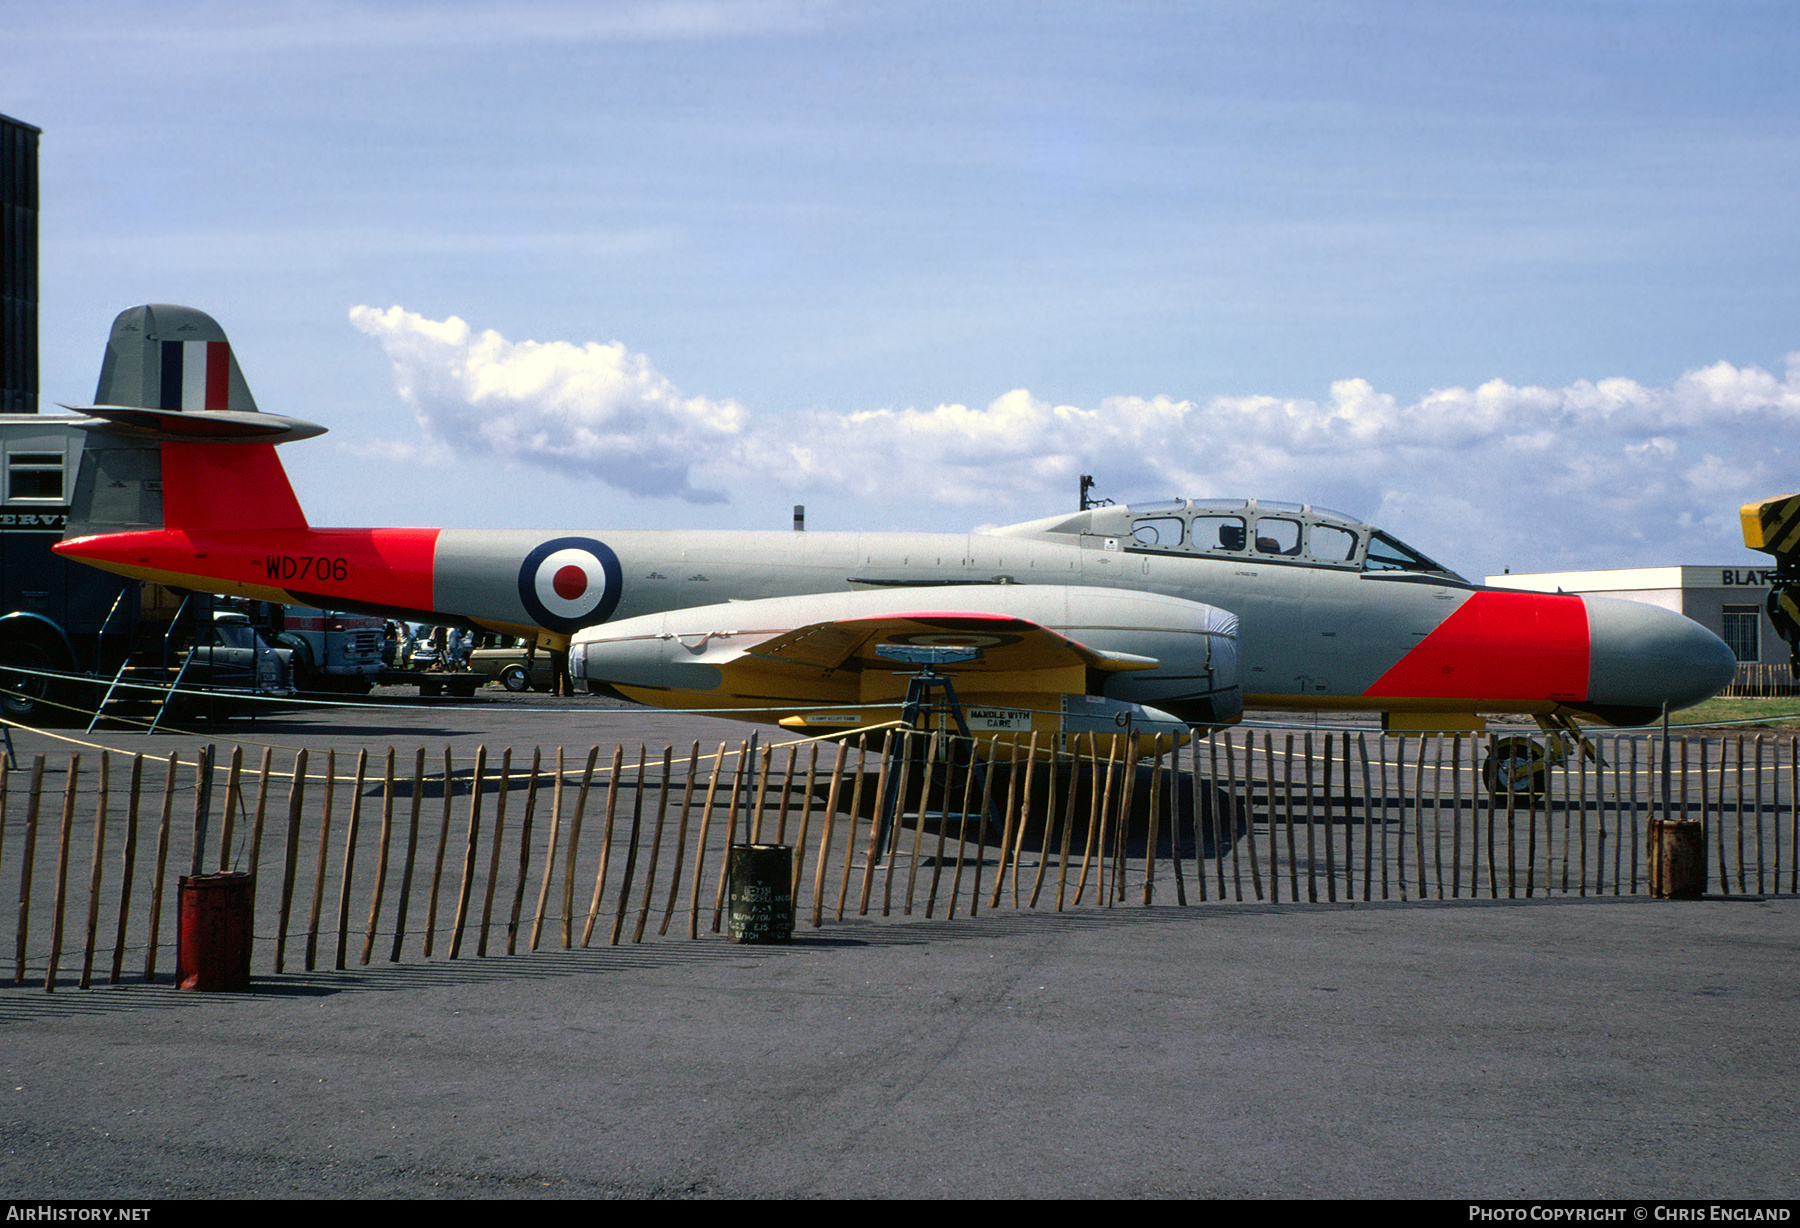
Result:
832,656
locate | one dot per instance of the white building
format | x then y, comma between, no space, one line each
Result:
1731,602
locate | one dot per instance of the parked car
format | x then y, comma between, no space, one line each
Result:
232,660
513,667
425,655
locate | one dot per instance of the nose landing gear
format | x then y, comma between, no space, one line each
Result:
1521,766
1515,765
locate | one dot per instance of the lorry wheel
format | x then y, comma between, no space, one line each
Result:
306,674
515,679
25,693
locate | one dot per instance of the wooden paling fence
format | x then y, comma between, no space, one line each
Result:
359,858
1762,682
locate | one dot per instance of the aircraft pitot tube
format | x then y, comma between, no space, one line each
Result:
1773,527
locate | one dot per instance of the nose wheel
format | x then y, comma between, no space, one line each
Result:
1516,766
1521,766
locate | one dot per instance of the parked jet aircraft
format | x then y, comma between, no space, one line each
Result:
1178,612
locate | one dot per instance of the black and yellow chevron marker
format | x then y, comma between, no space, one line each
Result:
1773,526
1784,611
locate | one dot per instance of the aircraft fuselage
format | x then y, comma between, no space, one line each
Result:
1311,636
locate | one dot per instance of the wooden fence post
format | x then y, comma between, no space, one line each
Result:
662,812
381,856
823,866
233,799
745,756
443,846
471,850
712,790
349,878
681,834
962,832
128,871
296,795
493,872
581,797
912,873
412,851
28,856
162,859
806,808
322,863
262,800
524,871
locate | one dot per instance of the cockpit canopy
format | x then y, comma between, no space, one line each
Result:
1242,528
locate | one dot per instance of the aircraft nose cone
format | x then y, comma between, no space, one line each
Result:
1643,656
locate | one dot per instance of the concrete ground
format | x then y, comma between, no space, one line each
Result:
1510,1049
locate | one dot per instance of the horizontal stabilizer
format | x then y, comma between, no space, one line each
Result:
217,426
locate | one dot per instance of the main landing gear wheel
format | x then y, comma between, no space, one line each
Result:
1515,765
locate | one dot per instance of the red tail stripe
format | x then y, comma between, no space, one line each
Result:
218,375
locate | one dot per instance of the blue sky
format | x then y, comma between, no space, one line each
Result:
1515,280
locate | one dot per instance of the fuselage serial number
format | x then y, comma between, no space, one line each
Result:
305,567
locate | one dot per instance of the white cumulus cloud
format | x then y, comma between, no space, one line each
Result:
1603,473
594,410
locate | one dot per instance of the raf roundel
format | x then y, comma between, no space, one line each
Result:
570,583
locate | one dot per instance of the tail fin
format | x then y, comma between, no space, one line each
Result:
177,440
174,358
227,486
